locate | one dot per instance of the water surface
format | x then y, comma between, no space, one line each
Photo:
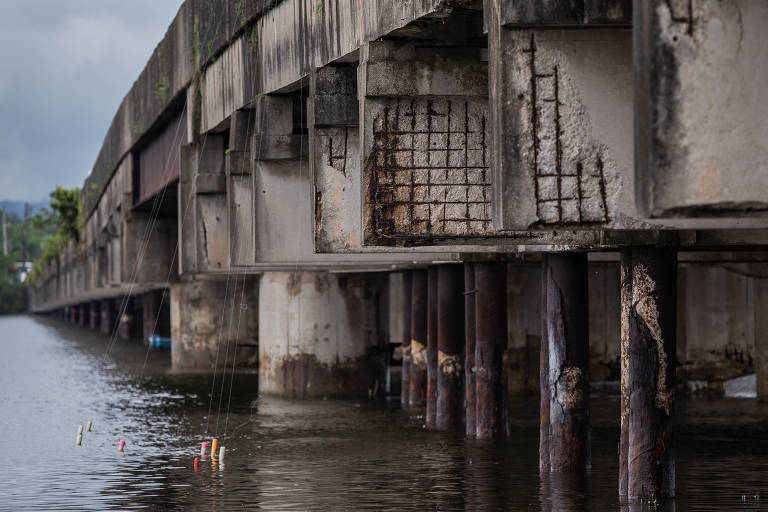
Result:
293,455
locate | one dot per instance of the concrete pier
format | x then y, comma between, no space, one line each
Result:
127,327
318,335
214,323
95,315
108,312
417,391
567,386
649,447
490,343
450,345
154,308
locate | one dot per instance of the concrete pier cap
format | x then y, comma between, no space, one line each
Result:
318,335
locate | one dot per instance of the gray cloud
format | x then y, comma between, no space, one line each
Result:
66,66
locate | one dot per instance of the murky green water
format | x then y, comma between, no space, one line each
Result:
284,455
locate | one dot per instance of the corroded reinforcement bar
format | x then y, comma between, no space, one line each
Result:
651,354
470,393
431,347
490,343
450,344
567,338
406,339
419,297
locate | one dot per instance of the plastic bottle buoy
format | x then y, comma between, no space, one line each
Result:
221,455
88,428
214,445
80,430
203,447
122,444
79,439
197,462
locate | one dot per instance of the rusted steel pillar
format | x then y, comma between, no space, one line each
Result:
406,337
567,336
450,345
469,349
126,326
95,315
544,374
490,343
650,456
626,306
431,346
107,316
419,298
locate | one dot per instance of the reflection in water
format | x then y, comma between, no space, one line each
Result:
293,455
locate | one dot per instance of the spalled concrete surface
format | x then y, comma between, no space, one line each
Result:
318,335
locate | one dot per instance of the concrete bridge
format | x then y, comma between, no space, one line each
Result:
509,196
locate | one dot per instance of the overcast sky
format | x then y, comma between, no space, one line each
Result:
65,66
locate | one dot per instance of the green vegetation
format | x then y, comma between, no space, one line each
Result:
162,89
66,219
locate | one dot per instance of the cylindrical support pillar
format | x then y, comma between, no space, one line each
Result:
126,327
567,337
450,345
626,306
406,337
419,303
470,393
84,317
651,351
490,343
95,315
318,335
107,316
214,324
431,414
544,390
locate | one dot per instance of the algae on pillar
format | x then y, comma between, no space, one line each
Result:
318,335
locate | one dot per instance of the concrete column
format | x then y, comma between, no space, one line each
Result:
469,349
651,372
431,347
567,328
450,344
107,315
214,324
95,315
153,320
318,335
626,307
490,343
419,296
83,314
406,337
544,396
127,323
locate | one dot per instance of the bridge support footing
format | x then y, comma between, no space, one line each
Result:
567,445
419,305
490,343
648,352
450,344
318,335
214,323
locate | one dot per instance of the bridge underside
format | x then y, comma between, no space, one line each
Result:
469,198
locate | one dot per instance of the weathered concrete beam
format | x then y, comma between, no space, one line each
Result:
558,13
699,109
